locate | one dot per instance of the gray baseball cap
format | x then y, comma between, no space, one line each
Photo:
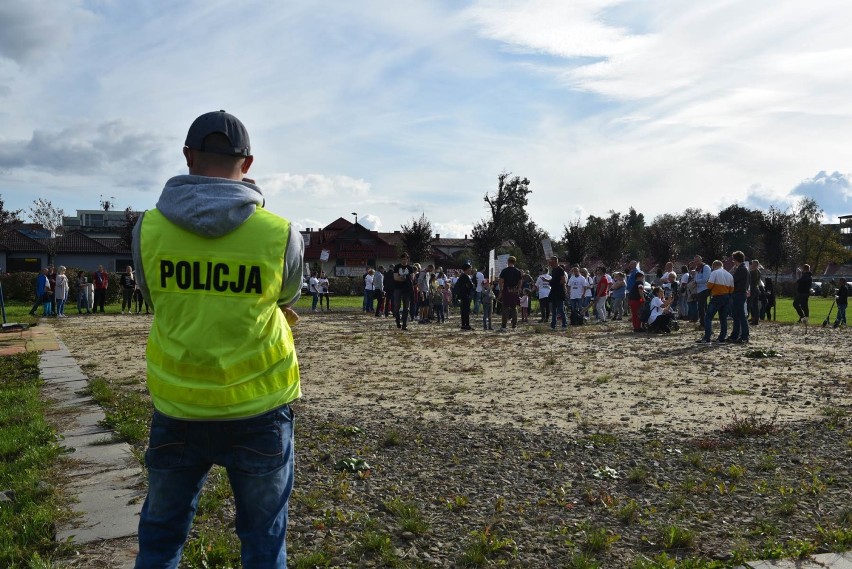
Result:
222,123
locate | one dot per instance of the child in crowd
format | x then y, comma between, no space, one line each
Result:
436,296
447,292
487,305
618,295
525,305
83,293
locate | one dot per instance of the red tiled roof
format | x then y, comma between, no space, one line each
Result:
17,241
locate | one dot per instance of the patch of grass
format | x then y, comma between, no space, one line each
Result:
216,546
409,517
836,539
457,503
126,412
762,353
602,439
629,512
637,475
583,561
28,453
484,546
751,424
311,560
392,439
599,540
673,536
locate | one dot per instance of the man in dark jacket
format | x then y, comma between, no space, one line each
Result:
464,290
739,333
803,293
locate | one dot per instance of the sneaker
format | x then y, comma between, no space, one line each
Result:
836,325
742,341
501,329
730,340
702,341
720,341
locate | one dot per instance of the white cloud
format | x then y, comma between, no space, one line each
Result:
370,221
453,228
314,185
833,193
31,30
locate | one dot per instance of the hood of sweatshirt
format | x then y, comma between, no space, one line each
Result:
210,207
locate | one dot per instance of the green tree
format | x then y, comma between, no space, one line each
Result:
507,219
527,239
705,234
634,224
575,240
663,238
417,238
126,231
815,242
609,237
9,219
741,228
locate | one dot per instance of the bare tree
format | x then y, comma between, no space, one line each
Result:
50,218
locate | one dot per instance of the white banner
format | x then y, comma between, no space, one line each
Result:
548,248
324,255
501,263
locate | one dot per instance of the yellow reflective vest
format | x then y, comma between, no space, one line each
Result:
219,346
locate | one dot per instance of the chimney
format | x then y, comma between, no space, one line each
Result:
465,235
437,236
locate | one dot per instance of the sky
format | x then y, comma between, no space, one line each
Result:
390,110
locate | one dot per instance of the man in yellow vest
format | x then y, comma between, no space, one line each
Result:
221,273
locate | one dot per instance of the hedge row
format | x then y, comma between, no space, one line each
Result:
22,286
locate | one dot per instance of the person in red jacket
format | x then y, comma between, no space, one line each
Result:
101,280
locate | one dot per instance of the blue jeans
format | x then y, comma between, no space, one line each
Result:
314,300
477,300
720,304
576,304
368,300
841,315
738,312
258,456
557,308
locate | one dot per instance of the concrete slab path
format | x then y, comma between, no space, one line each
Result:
101,476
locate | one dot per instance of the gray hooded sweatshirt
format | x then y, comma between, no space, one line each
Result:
212,207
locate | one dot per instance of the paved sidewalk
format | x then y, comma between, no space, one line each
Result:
101,477
821,561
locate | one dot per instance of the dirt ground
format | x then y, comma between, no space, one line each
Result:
503,420
592,376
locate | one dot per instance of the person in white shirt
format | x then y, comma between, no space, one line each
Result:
660,317
312,288
477,293
542,285
577,284
368,290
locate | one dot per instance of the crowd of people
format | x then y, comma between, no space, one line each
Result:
654,302
54,288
